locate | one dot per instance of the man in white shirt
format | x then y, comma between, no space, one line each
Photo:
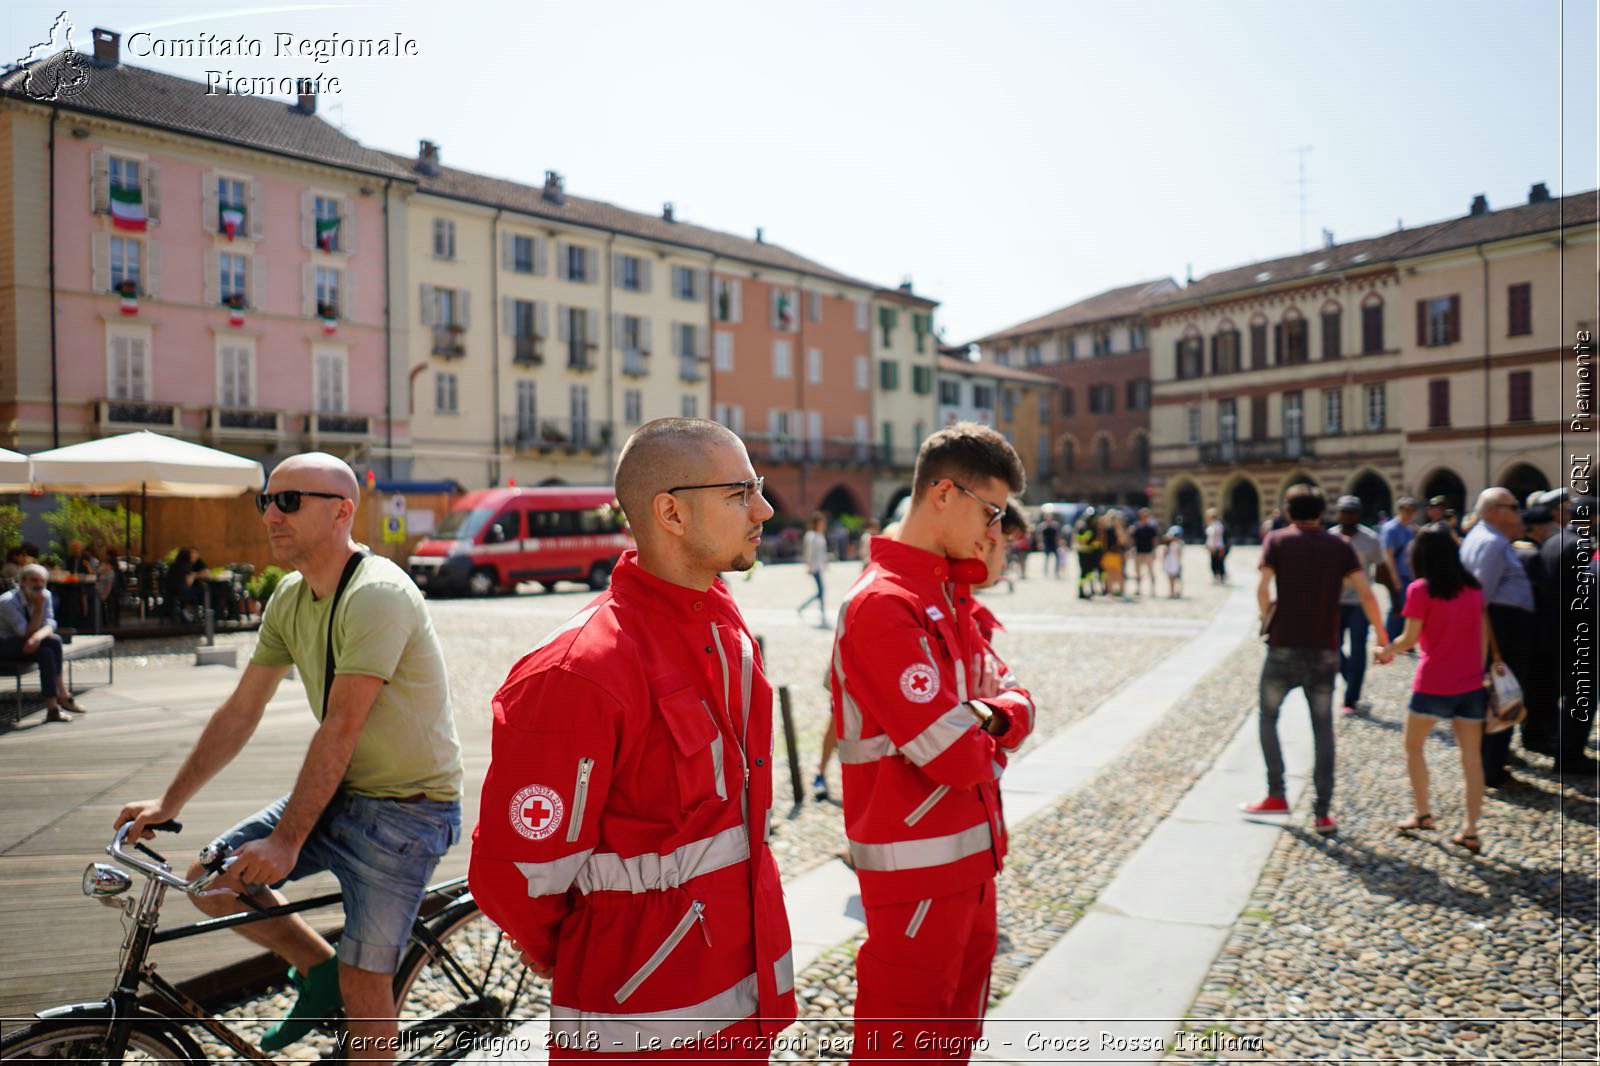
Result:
814,553
1352,616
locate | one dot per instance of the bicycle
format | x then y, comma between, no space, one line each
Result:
455,955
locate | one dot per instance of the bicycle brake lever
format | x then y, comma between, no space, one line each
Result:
156,855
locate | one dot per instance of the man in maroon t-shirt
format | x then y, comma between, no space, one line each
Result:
1311,567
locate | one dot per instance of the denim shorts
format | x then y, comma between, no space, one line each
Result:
1468,706
382,852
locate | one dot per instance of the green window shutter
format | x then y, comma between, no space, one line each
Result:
888,375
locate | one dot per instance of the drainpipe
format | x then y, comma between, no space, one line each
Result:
798,367
607,329
1486,468
388,344
494,343
55,396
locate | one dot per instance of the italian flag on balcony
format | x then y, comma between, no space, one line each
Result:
232,220
127,207
330,321
327,233
235,312
130,298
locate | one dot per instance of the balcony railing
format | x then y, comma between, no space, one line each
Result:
556,434
1268,450
690,369
337,426
448,341
580,355
243,423
634,363
527,351
139,413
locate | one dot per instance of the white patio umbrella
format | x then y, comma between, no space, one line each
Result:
13,471
143,462
146,463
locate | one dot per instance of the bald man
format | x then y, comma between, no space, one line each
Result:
378,797
622,837
1487,554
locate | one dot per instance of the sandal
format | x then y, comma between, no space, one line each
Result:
1468,840
1416,822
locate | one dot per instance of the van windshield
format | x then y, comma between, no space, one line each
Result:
463,525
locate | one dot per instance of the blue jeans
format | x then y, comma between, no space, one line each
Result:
1312,670
1394,624
382,852
1353,663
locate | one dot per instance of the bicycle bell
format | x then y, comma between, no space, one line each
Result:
101,879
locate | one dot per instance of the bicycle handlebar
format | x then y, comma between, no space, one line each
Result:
163,873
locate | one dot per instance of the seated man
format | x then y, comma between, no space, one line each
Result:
28,631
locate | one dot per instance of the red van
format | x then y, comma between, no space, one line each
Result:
493,539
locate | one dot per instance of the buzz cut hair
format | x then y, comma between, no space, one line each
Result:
661,454
967,451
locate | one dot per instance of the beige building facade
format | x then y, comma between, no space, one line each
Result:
904,367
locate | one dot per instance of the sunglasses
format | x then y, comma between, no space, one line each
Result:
750,489
288,500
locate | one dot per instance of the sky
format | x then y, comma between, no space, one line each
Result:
1008,157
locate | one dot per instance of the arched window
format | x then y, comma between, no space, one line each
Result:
1371,323
1289,345
1139,446
1102,453
1069,455
1332,330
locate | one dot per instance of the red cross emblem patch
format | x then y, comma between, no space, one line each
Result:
536,812
919,683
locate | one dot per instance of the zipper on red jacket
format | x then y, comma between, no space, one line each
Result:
580,797
695,913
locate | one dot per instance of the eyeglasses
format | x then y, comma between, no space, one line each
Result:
288,500
995,513
751,489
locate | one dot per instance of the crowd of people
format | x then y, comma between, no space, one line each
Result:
1482,601
1115,554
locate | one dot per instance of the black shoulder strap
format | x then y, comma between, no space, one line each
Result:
350,568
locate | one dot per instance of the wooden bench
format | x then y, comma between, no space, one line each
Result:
82,647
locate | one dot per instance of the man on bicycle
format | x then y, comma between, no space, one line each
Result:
621,841
377,798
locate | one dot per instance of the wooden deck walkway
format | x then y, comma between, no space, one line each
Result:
61,786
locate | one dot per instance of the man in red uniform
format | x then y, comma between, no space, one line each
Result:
922,752
622,837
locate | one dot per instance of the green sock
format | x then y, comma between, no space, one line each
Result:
317,1001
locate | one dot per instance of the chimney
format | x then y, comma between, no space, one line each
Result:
761,236
1480,204
1539,194
107,46
428,158
307,104
666,212
554,191
905,286
1327,238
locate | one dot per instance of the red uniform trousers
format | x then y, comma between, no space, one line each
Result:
923,977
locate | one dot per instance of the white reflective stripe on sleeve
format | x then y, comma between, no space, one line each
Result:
626,1033
575,622
610,872
556,876
914,926
944,731
851,713
870,749
921,854
783,972
961,681
747,677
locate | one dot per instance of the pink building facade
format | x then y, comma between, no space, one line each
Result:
231,292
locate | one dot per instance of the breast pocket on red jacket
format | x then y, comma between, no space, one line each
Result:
699,759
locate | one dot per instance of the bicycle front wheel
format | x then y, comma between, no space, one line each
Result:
82,1040
471,987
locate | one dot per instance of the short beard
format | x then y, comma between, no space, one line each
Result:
740,563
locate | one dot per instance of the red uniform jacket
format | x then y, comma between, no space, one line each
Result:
921,778
622,833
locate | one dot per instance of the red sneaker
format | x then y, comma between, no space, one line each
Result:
1326,825
1270,805
1350,708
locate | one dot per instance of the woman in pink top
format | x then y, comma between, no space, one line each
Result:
1444,611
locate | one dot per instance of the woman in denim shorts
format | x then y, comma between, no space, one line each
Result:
1444,612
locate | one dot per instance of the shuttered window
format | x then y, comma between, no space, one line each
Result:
1519,397
1520,309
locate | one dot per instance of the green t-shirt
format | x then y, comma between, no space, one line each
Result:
408,744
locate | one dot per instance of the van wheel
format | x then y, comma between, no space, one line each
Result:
600,576
547,586
481,583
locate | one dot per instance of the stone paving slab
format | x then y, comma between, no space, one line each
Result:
1149,939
